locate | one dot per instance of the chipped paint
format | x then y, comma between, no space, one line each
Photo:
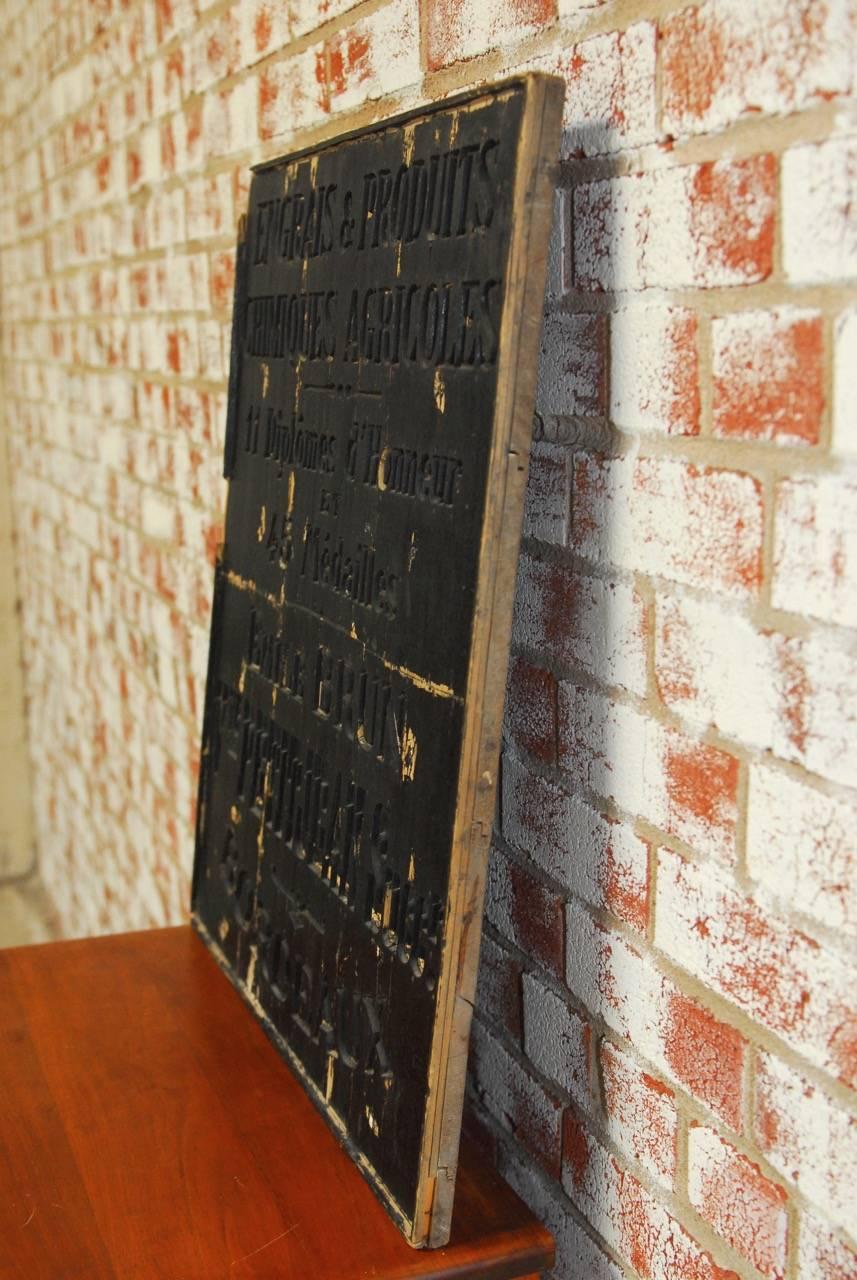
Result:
409,754
421,682
263,522
439,391
265,371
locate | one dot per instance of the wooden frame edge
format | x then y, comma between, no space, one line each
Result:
486,679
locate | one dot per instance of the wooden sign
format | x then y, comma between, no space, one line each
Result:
385,336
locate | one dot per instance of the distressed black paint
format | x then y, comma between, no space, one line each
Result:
369,302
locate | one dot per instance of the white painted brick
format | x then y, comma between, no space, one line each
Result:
845,386
600,860
682,1040
793,696
514,1097
801,847
725,59
556,1040
610,91
461,31
683,786
547,508
703,226
654,370
714,668
577,1254
700,526
595,623
571,375
808,1138
392,55
641,1114
815,549
158,517
757,961
821,1255
625,1214
819,195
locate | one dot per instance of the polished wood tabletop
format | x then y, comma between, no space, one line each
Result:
150,1131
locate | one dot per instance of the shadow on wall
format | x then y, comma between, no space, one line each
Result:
639,539
559,861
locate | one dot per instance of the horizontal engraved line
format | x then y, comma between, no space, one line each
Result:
420,682
335,388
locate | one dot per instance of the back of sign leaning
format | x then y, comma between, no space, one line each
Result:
387,309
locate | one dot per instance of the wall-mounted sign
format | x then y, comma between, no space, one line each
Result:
387,313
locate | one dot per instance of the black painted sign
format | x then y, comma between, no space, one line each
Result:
384,337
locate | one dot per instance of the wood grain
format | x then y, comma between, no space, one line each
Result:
147,1130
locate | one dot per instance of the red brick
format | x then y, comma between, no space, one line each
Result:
498,995
724,59
526,912
556,1039
769,375
654,370
222,279
683,1041
687,788
742,1205
705,1055
601,860
641,1230
641,1113
515,1098
457,30
697,226
700,526
808,1137
596,624
531,709
777,975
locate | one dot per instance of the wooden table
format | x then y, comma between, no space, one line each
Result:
149,1131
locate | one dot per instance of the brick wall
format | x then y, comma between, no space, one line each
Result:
666,1043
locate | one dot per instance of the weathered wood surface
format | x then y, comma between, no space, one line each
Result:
388,304
147,1130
